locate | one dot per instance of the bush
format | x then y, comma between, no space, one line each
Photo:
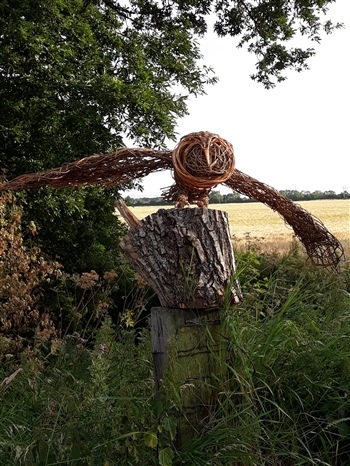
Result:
78,227
24,323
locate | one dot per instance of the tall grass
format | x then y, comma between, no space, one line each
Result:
83,406
282,398
285,399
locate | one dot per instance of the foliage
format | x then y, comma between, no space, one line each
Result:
75,78
24,324
283,397
265,27
308,196
40,302
284,400
77,226
86,406
217,198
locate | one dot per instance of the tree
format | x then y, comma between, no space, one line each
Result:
216,197
267,26
78,76
75,77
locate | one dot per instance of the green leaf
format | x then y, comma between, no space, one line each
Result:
166,456
151,439
170,424
157,407
343,429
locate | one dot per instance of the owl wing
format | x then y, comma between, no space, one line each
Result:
322,247
108,170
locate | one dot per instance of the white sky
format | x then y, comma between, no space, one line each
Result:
295,136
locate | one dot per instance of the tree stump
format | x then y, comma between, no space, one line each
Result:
185,255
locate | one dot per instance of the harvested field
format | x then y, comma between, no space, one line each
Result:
254,223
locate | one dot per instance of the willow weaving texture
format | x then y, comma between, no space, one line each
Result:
199,162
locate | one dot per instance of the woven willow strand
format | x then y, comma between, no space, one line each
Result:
322,247
200,162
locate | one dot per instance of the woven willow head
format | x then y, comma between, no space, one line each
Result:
201,161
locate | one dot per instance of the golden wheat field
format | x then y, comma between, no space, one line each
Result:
254,222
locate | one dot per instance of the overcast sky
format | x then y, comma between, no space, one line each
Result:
295,136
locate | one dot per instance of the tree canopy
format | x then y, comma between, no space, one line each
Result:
77,76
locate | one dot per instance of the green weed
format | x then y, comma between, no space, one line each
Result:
281,394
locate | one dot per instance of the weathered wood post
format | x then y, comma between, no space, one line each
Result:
186,256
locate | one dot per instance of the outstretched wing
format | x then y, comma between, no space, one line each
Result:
321,246
123,166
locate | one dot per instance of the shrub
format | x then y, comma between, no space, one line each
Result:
23,271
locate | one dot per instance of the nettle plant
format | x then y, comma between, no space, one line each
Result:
23,271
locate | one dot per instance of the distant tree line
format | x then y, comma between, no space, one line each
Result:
217,198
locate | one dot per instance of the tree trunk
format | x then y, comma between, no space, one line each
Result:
185,255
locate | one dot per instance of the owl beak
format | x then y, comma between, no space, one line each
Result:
207,156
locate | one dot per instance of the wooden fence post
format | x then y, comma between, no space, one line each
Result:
186,347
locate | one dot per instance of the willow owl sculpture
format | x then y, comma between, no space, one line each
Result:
199,162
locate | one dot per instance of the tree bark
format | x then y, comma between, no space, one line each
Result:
185,255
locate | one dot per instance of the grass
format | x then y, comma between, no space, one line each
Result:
283,398
280,398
